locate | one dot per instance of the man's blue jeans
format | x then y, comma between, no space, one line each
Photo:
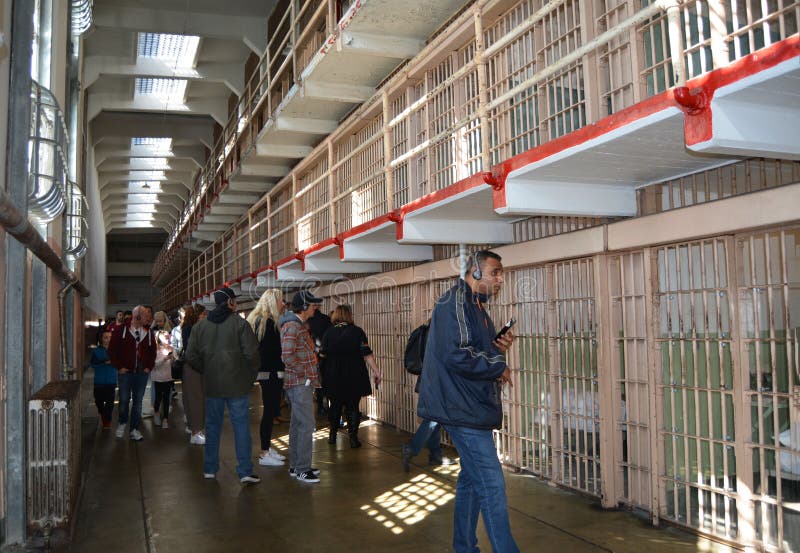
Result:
131,384
428,434
481,489
239,412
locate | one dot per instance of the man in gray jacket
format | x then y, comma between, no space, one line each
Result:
224,349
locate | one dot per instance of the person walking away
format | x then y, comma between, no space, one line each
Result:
318,325
192,386
429,433
264,321
464,370
162,380
224,350
302,377
105,380
345,357
132,351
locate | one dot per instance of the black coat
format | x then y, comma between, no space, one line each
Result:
269,348
344,371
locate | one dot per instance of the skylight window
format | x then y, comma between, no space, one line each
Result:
157,144
176,50
171,91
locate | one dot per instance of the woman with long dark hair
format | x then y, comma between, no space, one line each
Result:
345,379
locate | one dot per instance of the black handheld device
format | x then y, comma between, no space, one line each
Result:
506,327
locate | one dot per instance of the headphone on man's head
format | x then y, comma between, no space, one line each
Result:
476,274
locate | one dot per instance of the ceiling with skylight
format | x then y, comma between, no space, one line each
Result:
156,90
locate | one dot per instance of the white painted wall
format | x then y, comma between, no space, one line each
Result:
95,268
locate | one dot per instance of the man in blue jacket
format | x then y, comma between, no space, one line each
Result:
464,370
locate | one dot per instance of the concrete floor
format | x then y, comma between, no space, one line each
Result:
151,497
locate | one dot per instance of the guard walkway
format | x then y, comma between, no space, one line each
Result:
151,497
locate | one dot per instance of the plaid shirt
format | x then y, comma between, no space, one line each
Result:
297,354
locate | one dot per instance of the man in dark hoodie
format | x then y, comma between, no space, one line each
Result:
224,349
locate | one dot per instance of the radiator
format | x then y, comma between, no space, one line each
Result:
54,444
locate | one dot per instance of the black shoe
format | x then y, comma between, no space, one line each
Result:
405,456
293,473
354,442
443,462
332,436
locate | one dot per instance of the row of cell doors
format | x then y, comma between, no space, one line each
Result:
665,379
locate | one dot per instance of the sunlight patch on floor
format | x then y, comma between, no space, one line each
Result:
410,502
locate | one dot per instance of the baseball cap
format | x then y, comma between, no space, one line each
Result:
304,297
223,295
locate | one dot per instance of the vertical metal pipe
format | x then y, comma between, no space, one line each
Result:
67,371
483,89
387,153
19,106
675,41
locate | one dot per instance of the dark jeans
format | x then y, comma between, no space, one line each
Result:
131,391
271,400
238,409
104,399
429,433
163,395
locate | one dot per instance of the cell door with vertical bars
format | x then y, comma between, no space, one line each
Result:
768,267
696,367
630,370
576,383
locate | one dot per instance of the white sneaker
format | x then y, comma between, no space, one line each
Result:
164,424
136,436
198,439
157,419
120,431
187,430
275,455
267,460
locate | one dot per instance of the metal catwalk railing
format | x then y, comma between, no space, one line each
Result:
430,125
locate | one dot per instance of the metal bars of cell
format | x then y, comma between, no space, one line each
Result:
768,290
696,366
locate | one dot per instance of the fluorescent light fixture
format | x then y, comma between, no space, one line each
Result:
177,50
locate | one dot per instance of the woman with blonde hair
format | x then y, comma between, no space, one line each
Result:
345,379
264,321
161,322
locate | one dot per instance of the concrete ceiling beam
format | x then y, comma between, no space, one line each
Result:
230,74
195,154
248,29
216,107
116,200
175,126
146,164
104,178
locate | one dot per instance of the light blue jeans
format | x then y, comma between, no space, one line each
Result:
481,489
239,412
301,427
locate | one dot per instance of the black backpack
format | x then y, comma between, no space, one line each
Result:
415,349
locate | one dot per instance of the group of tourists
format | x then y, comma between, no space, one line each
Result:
292,350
